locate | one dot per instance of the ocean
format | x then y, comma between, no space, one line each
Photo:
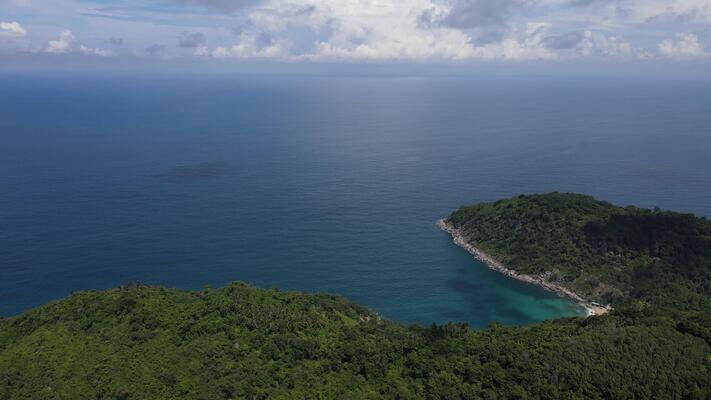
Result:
321,184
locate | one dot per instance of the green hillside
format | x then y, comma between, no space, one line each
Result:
141,342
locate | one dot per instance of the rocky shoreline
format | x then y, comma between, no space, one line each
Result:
592,309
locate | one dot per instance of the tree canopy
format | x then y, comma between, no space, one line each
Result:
142,342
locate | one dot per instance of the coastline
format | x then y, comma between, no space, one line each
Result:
592,309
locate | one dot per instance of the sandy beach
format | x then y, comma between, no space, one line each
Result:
592,309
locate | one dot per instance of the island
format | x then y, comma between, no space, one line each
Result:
239,342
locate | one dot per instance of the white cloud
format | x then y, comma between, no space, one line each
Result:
361,30
379,30
528,46
221,5
96,51
249,46
686,46
61,45
613,46
680,11
12,29
66,44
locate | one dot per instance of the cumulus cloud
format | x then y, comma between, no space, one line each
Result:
435,30
95,51
468,14
597,43
12,29
402,30
61,45
372,30
66,44
686,45
592,43
249,46
446,44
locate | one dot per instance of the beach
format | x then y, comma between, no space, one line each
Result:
591,308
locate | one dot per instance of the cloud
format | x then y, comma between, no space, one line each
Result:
444,44
61,45
249,46
66,44
592,43
221,5
484,21
468,14
191,40
687,46
12,29
374,30
565,41
609,46
589,3
96,51
676,11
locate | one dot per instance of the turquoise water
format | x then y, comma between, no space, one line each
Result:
320,184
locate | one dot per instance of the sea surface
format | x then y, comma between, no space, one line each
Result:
326,184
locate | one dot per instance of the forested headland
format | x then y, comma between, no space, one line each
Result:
627,257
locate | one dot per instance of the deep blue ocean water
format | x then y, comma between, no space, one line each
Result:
321,184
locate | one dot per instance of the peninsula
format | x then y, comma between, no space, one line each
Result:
592,251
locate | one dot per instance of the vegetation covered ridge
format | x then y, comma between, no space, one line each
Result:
144,342
623,256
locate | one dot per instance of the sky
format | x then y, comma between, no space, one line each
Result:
293,33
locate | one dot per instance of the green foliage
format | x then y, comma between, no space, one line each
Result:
141,342
624,256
